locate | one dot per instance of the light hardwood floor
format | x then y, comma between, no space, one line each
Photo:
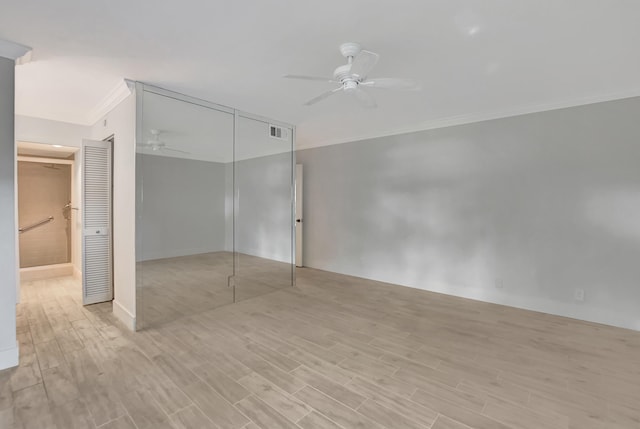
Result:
333,352
171,288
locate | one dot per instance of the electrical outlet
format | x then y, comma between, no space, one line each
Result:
578,294
499,283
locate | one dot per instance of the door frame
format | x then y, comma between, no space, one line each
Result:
72,232
299,215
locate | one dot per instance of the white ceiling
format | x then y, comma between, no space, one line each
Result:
476,59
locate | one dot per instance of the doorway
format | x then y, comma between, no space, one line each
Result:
46,211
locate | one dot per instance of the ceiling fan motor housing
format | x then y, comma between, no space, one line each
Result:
350,49
343,73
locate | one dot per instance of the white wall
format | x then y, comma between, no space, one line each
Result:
262,176
8,226
121,123
263,207
228,206
183,210
519,211
187,207
45,131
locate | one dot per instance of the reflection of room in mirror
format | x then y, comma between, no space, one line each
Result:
198,132
214,208
185,285
156,144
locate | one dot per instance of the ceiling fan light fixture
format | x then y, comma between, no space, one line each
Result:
350,85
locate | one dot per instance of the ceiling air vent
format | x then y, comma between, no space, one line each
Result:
278,132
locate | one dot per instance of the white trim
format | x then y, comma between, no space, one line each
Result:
13,51
29,158
477,117
175,253
9,357
25,59
571,310
124,315
77,274
43,272
16,218
109,102
145,87
266,120
131,84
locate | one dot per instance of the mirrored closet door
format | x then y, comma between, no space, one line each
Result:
263,182
214,222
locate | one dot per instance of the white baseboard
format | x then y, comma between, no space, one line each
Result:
124,315
45,272
572,310
9,357
77,274
176,253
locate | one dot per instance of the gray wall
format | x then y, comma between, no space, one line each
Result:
263,207
183,207
228,207
8,266
520,211
187,207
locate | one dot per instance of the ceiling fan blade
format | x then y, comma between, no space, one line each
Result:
363,97
363,63
322,96
393,83
316,78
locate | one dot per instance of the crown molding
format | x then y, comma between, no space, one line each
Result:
13,51
111,100
452,121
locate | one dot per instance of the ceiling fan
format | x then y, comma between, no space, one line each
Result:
155,144
353,77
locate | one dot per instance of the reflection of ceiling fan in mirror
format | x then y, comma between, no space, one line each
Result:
157,145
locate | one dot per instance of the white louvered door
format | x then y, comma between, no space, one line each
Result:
97,279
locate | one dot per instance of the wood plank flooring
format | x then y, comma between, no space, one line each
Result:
333,352
171,288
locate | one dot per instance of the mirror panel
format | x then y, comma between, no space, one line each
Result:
263,208
214,206
184,251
